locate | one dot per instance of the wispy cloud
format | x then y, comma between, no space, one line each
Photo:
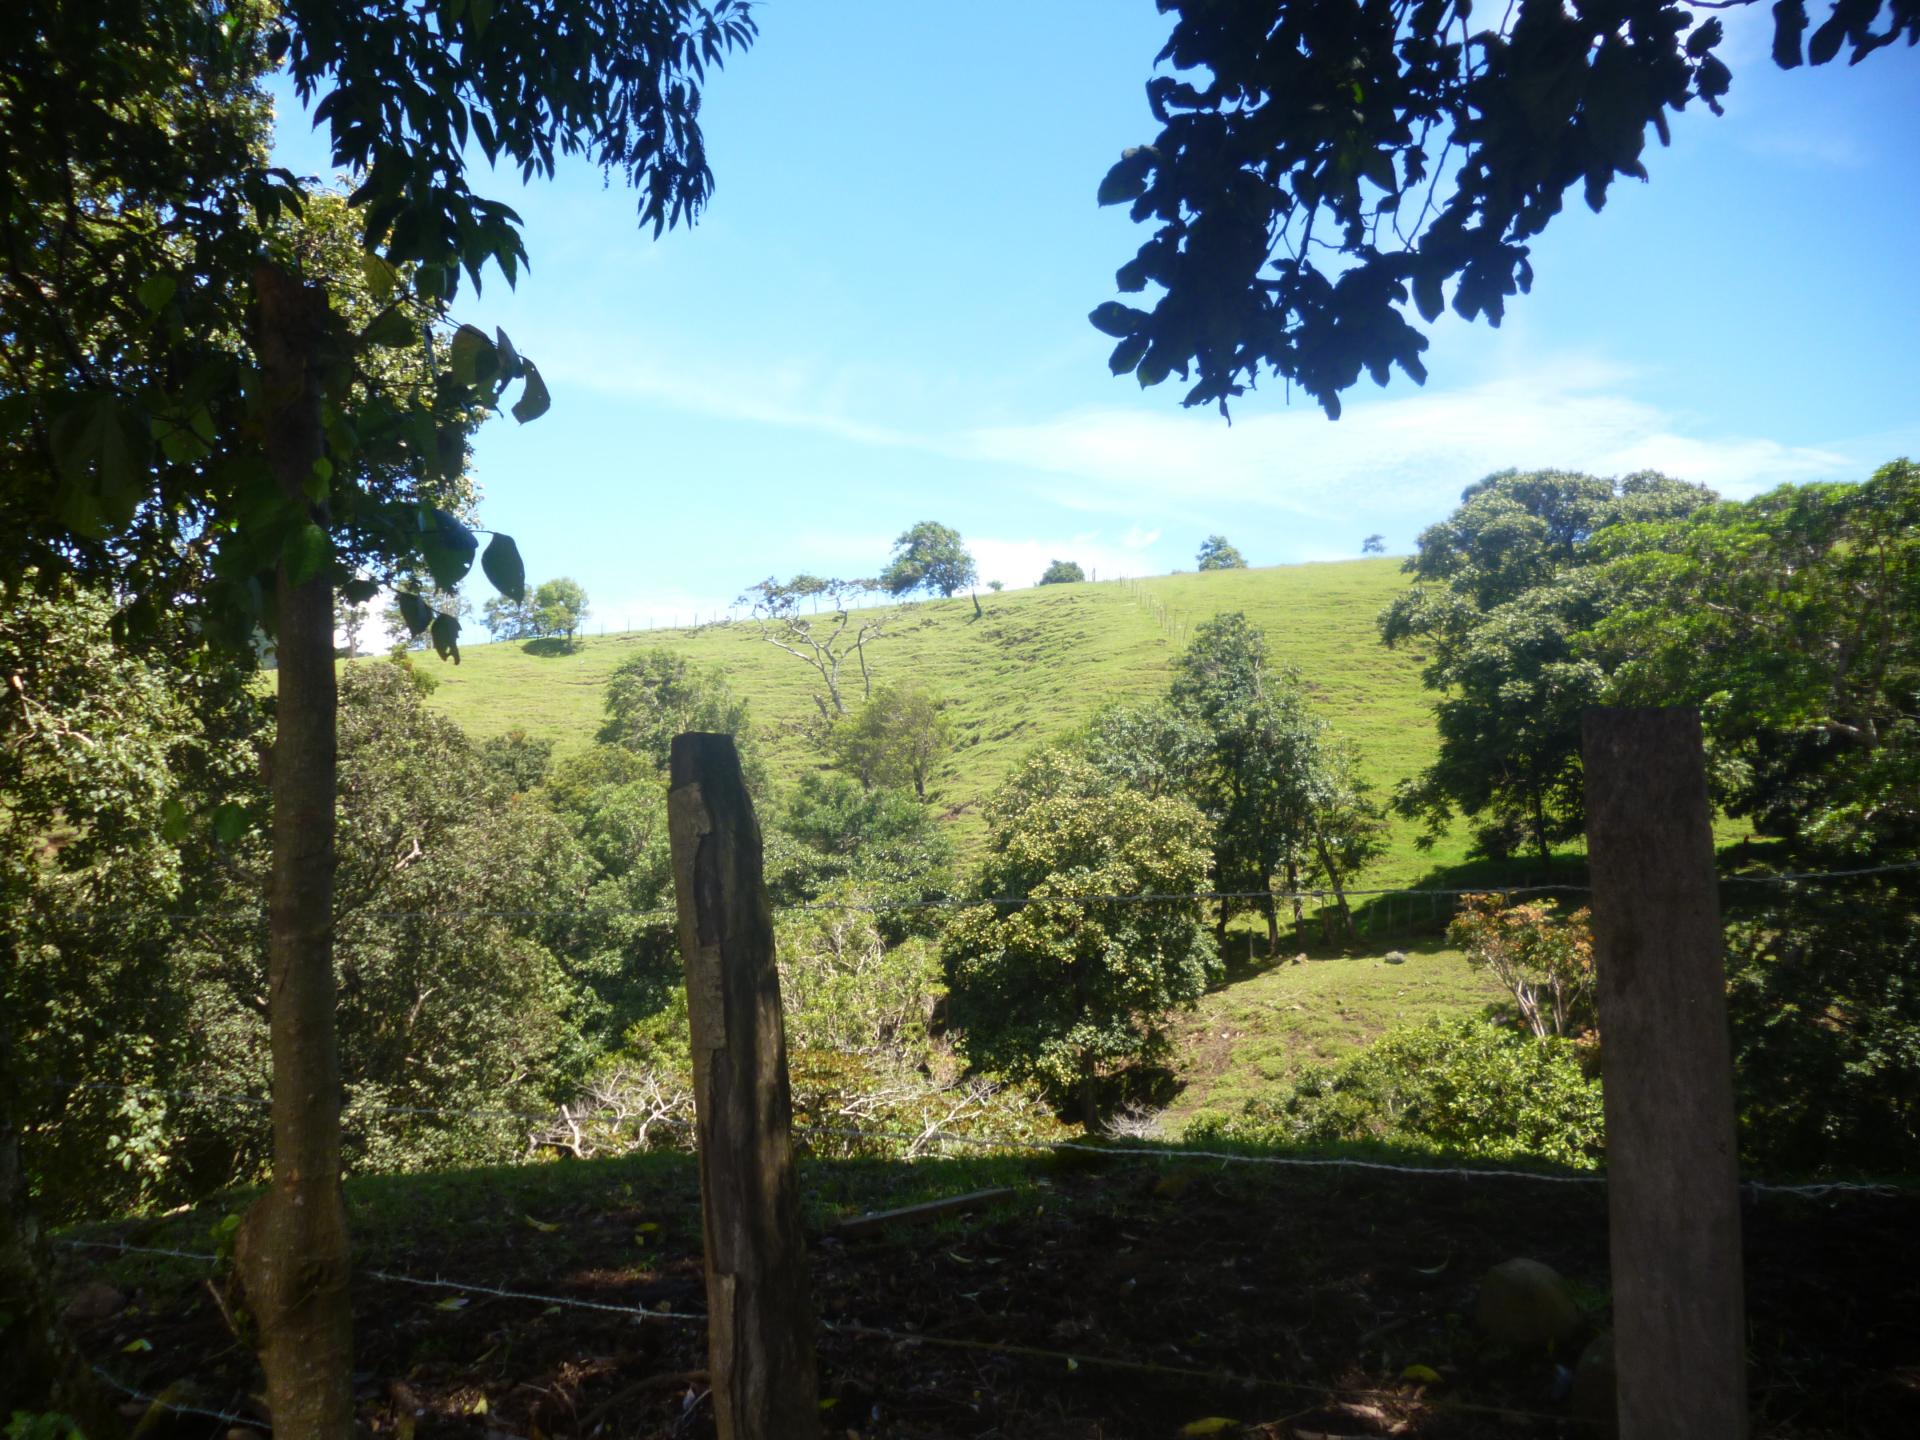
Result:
1403,452
1412,452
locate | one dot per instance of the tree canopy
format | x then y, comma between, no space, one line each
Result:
1062,572
930,557
1324,165
1217,553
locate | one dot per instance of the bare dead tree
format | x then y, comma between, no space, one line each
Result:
828,641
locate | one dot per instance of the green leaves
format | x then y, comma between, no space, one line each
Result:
474,358
306,553
415,611
359,591
1127,180
534,400
502,566
230,822
156,292
448,547
445,634
103,451
1116,319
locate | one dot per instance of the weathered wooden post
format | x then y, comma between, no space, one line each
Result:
760,1312
1673,1181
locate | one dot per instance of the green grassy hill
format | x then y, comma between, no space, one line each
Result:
1038,663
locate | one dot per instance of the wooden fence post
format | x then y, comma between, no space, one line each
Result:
759,1310
1673,1183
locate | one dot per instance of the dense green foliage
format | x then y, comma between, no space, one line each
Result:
1217,553
1323,164
893,740
930,557
1824,991
1501,589
1793,621
143,953
1062,984
1461,1087
657,695
1062,572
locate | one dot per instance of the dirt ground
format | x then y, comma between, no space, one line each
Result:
1304,1298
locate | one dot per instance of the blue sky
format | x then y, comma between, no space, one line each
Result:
881,319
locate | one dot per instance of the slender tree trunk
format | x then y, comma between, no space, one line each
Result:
41,1371
1299,906
1273,928
292,1246
1333,878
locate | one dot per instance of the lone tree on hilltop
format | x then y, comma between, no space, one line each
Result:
560,608
1374,545
1322,164
1063,572
1217,554
929,557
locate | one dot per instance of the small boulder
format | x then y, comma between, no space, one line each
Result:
93,1301
1527,1305
1396,957
1593,1383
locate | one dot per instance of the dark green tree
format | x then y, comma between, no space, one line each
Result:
1374,545
1791,621
1501,588
1216,553
1069,987
1322,165
929,557
1063,572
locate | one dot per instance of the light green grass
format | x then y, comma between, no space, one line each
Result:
1038,663
1251,1037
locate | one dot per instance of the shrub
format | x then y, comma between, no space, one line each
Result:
1463,1086
1546,964
1824,996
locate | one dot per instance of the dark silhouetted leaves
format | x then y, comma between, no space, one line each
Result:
501,562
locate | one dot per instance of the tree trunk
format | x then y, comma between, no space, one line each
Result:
1090,1104
292,1246
1339,887
42,1372
1273,928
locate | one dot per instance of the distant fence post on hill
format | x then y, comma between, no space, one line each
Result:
1673,1180
759,1309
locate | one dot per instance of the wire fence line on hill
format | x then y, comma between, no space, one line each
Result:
1321,894
936,1135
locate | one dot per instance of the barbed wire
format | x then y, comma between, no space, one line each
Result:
856,1329
176,1407
1320,894
467,1287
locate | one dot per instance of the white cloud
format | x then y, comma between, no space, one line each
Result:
1408,452
1405,453
1020,563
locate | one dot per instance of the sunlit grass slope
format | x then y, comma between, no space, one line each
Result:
1038,663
